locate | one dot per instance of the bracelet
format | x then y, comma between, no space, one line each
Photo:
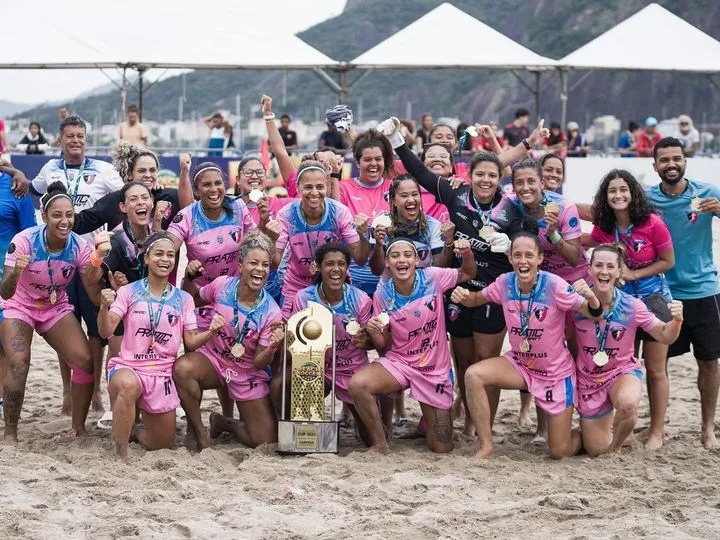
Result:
555,237
526,144
96,261
595,312
450,245
268,117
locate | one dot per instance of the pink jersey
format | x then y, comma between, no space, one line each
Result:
214,243
355,305
371,200
275,205
336,226
135,304
46,271
417,322
643,242
628,315
548,357
256,323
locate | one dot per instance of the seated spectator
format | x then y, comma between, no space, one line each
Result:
628,142
648,138
689,136
556,143
577,145
34,142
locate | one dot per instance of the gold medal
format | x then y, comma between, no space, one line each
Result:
695,204
552,207
237,350
53,297
525,345
352,327
601,358
485,232
256,195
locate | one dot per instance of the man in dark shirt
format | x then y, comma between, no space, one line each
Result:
289,136
333,138
516,131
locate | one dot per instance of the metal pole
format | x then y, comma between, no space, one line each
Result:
563,97
284,374
140,91
537,96
285,88
123,92
343,90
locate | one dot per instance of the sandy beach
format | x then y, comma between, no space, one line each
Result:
54,487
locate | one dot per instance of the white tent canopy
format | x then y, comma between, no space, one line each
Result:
410,48
676,46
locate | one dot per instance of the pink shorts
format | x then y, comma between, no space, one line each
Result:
341,387
551,396
40,320
158,393
242,384
594,402
433,390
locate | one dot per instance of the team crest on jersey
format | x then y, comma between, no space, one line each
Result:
638,245
475,223
89,179
387,196
430,304
11,248
570,289
573,221
416,313
692,217
617,333
423,252
540,314
220,239
172,319
66,272
178,218
235,235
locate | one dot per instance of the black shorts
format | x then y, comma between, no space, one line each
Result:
462,322
85,310
657,305
700,328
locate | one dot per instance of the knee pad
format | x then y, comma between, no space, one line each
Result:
79,376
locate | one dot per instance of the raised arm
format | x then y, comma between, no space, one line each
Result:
185,191
667,332
277,145
195,339
511,155
107,321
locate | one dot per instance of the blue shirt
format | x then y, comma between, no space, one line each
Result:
15,215
694,275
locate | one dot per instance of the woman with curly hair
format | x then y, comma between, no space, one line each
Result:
622,215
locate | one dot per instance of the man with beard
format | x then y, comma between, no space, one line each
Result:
687,207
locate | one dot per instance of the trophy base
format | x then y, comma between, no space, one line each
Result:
300,437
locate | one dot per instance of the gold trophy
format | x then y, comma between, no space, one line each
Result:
309,334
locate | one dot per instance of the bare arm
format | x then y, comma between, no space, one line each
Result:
92,281
667,333
107,322
359,251
9,283
277,145
468,269
194,340
665,262
569,250
265,355
585,211
185,192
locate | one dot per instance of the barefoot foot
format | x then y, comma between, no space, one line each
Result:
708,439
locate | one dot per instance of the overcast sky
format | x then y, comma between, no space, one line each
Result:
108,16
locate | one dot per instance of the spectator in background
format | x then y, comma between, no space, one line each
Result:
34,142
63,113
577,145
648,138
486,143
422,136
4,145
407,130
221,134
132,130
332,138
556,143
517,131
464,141
628,142
689,136
288,135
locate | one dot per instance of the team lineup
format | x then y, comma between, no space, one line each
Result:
411,251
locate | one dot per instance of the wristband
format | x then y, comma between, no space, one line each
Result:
526,144
192,277
555,237
335,175
467,254
595,312
96,261
268,117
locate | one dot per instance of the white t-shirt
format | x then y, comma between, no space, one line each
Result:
689,139
98,179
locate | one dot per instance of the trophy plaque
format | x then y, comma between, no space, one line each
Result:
309,334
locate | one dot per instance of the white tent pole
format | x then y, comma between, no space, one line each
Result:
537,96
563,97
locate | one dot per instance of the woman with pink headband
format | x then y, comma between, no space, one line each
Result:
40,263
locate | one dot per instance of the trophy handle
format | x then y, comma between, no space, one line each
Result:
284,371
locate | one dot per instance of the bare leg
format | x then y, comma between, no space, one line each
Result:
124,392
464,352
66,409
158,430
68,339
226,404
563,441
16,338
370,380
194,373
541,433
524,419
259,425
658,387
489,346
625,395
97,351
596,435
708,380
497,372
439,428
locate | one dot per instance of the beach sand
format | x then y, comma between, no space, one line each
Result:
53,487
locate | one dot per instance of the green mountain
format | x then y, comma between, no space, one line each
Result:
552,28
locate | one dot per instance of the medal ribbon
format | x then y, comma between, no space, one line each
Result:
394,295
155,315
138,266
602,335
78,179
241,333
525,315
53,288
344,303
311,245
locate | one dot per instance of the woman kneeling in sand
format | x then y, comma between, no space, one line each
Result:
608,374
408,330
534,303
239,356
157,318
